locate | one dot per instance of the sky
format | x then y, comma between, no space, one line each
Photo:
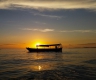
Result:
23,23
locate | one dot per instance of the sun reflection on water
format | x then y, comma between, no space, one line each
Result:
36,67
42,67
39,67
44,61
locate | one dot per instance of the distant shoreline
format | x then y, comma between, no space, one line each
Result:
63,48
84,47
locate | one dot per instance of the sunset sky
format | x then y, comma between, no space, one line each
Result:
24,23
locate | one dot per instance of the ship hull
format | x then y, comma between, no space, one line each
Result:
44,50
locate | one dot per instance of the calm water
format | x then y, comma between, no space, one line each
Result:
71,64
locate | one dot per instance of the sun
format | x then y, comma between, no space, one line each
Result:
38,43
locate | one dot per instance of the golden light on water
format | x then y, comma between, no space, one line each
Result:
42,61
39,67
36,68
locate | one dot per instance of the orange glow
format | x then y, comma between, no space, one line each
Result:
35,42
38,43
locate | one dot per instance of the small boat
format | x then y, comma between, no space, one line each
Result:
46,48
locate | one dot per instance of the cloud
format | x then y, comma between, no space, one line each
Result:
49,16
88,44
39,22
48,4
40,30
47,30
80,31
62,31
10,44
7,44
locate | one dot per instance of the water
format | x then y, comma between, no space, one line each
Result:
71,64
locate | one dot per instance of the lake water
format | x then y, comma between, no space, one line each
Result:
71,64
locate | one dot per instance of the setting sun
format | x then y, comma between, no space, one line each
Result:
37,43
34,43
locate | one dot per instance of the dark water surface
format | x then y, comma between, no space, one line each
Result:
71,64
